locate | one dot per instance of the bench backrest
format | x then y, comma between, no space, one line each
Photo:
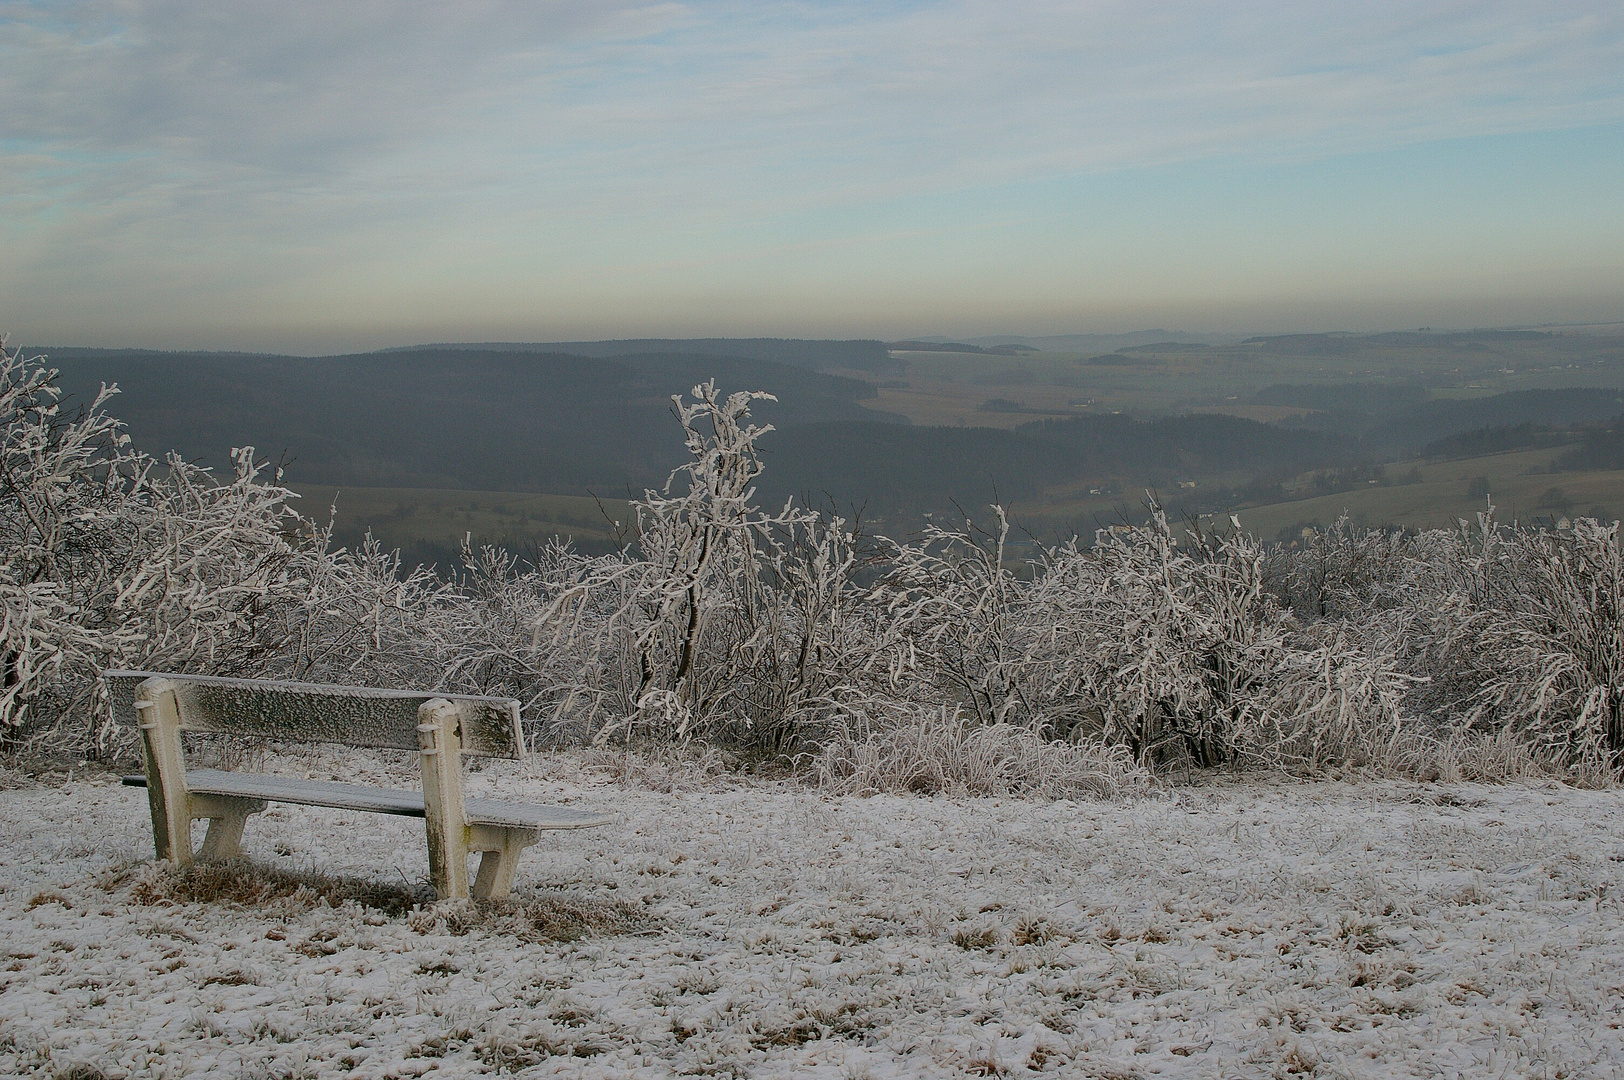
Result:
315,712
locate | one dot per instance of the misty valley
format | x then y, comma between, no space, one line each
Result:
516,444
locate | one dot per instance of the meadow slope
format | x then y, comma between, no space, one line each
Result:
762,929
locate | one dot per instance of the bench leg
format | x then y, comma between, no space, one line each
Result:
165,761
444,816
499,859
227,816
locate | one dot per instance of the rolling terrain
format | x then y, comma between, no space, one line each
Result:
428,525
435,417
514,443
1442,493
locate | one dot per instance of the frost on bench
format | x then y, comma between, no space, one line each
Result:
441,727
316,712
287,789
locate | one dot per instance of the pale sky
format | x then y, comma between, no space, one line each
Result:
325,176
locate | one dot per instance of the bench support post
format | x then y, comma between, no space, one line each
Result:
227,816
440,757
501,847
159,717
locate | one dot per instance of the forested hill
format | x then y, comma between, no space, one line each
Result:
910,469
524,421
860,355
451,417
1575,406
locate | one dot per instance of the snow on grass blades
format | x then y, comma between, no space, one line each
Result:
763,929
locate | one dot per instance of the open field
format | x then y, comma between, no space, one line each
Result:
1243,930
428,519
1448,491
1420,495
434,521
1146,380
937,402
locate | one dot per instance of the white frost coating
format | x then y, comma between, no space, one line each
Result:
373,800
1376,930
317,712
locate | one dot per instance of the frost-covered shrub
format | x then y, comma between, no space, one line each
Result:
1343,571
1174,643
723,622
1331,701
1167,644
947,753
112,559
965,619
61,487
115,560
1496,628
353,616
1535,626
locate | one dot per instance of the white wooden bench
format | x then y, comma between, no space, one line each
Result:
440,727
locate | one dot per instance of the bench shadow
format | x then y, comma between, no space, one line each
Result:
256,885
535,914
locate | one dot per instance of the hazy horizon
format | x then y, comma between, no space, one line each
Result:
315,179
1061,342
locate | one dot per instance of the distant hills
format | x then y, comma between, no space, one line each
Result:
959,347
516,419
594,418
1093,343
1350,344
858,355
435,416
1396,418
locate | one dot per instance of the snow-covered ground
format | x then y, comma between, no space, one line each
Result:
1250,930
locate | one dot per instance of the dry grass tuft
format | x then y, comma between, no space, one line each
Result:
538,917
79,1071
666,767
1504,757
947,755
509,1052
249,884
1493,759
976,937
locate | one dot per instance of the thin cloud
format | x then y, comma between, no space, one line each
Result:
987,91
157,134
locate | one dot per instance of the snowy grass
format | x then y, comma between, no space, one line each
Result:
761,929
947,755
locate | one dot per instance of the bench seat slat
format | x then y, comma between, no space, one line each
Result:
305,792
376,800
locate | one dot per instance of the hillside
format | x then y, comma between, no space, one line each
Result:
442,417
434,443
900,471
484,419
862,355
1441,494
